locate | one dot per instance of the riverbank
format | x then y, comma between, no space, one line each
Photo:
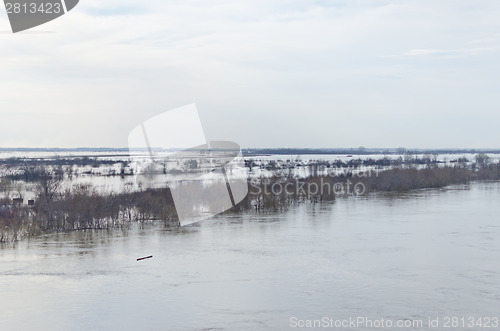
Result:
85,207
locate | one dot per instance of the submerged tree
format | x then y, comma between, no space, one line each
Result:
47,190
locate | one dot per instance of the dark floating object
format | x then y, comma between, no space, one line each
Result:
144,258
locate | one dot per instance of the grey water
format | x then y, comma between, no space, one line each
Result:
414,256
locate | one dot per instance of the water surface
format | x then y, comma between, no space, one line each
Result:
427,253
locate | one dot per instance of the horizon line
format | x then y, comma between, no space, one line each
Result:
311,149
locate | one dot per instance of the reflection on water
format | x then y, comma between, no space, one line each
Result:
426,253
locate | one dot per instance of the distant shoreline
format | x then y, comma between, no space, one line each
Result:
275,151
56,208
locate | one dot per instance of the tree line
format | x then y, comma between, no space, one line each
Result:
84,207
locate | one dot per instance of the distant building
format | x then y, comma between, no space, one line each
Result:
17,201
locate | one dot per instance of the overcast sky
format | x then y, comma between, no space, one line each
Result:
274,73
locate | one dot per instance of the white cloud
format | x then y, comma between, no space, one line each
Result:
446,53
263,73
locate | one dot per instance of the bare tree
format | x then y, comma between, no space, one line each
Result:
47,191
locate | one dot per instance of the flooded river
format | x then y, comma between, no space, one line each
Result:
426,254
